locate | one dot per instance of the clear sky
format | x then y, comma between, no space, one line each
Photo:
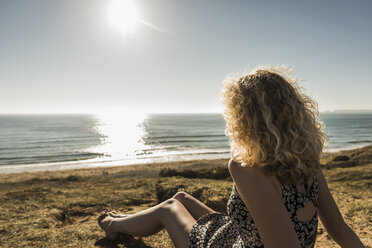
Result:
66,56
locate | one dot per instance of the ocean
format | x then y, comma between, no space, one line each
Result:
47,142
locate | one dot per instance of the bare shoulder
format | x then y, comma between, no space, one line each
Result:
236,168
248,174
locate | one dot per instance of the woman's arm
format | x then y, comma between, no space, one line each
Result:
332,219
265,205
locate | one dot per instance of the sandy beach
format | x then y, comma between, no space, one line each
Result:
60,208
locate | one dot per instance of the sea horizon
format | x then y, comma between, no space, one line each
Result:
336,111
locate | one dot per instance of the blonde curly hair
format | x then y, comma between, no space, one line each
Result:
272,124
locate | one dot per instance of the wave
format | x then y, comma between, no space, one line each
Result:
49,141
48,159
183,141
187,136
359,141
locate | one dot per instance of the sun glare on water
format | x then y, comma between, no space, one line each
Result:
123,16
122,134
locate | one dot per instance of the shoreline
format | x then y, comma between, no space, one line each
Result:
110,163
148,169
92,164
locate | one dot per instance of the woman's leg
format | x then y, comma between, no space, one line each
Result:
171,215
195,207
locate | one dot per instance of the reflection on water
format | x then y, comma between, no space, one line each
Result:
122,135
159,137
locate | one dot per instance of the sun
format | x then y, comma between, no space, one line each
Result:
123,16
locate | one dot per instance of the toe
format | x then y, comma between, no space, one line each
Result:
101,217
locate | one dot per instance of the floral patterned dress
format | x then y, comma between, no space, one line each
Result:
237,229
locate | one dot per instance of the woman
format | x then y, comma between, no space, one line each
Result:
279,189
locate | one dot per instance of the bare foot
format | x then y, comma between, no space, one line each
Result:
117,215
104,221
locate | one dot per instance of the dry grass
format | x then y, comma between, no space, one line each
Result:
59,209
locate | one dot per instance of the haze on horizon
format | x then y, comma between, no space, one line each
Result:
172,56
